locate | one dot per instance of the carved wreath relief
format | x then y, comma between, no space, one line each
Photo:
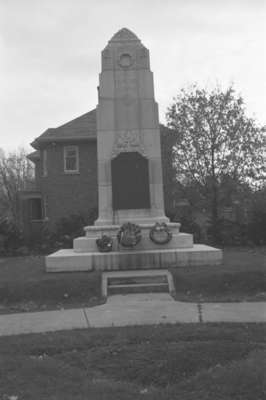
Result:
125,60
128,141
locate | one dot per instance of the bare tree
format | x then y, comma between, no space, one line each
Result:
16,172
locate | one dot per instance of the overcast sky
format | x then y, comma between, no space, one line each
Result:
50,55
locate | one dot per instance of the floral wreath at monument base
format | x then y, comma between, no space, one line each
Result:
160,233
129,235
104,244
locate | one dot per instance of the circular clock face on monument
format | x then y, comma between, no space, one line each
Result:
125,60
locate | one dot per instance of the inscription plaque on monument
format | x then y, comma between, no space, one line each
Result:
130,181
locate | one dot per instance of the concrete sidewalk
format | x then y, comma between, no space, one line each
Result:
135,309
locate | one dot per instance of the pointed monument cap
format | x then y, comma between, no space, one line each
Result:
124,35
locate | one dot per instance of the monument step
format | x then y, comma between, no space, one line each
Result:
139,288
137,285
136,281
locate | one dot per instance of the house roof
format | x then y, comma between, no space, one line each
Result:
34,156
80,128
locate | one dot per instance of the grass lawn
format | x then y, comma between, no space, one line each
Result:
242,277
183,362
25,286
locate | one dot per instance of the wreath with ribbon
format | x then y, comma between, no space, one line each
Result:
104,244
129,235
160,233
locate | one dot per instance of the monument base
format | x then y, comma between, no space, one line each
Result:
87,243
69,260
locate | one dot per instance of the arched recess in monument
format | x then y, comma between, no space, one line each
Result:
130,181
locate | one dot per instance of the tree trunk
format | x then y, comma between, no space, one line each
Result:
214,202
215,227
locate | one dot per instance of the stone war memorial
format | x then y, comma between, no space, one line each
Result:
132,231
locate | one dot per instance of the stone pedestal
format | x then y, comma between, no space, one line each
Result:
178,252
198,255
88,242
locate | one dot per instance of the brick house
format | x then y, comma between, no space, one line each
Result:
65,160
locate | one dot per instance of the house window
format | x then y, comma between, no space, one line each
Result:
71,159
44,163
36,209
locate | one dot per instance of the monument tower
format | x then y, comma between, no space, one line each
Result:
130,185
132,231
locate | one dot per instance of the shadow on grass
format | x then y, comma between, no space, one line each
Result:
212,361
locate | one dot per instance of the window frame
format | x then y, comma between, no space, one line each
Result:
71,171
